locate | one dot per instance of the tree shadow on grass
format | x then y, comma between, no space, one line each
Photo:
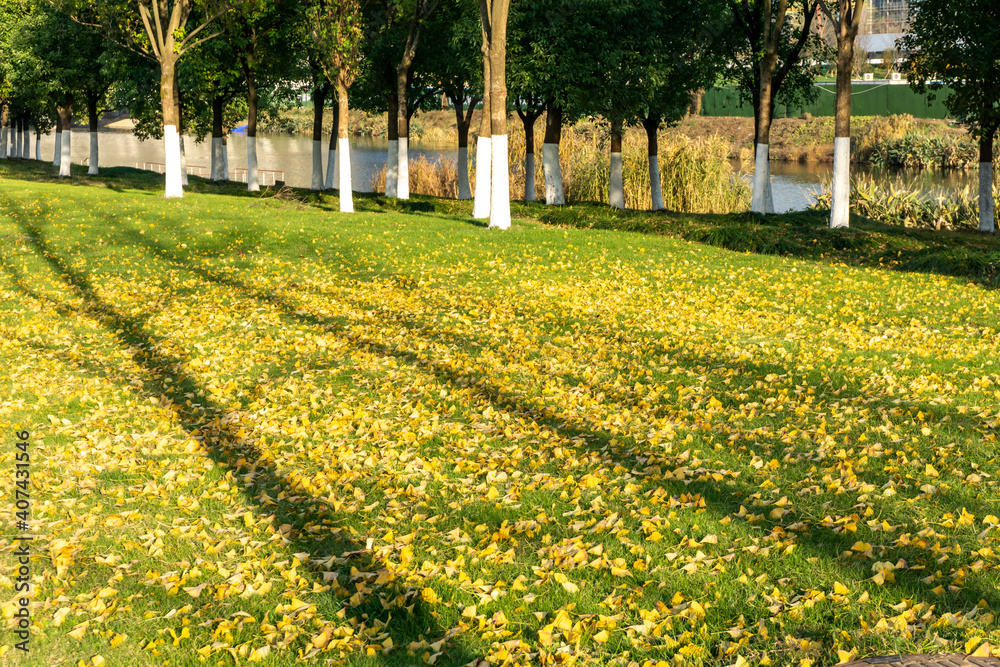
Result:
162,376
832,547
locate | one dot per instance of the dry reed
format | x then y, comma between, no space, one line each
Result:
696,175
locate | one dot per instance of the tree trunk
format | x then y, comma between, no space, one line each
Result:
220,170
332,170
462,122
762,200
392,152
651,123
529,156
93,121
403,147
550,156
253,177
26,139
344,148
65,158
184,170
319,99
616,186
840,203
481,203
987,205
180,137
57,153
38,145
694,109
18,138
224,154
4,119
171,123
500,174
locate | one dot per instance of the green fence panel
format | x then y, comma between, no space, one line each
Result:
826,101
870,101
724,102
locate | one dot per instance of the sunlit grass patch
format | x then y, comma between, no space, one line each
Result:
271,435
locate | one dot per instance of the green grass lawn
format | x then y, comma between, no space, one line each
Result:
270,432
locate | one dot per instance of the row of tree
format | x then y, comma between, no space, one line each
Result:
198,67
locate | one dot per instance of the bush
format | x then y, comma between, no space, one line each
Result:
913,151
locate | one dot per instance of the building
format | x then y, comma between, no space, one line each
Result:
886,17
884,22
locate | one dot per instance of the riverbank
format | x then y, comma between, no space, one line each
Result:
803,140
869,244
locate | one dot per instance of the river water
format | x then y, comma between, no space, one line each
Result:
793,184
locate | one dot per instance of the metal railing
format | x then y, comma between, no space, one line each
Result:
266,176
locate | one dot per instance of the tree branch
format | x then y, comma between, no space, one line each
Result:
144,14
183,45
188,47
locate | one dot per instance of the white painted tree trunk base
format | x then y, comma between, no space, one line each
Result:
65,157
94,155
216,173
499,183
344,159
616,187
331,169
172,162
57,153
184,162
253,175
317,172
529,177
26,146
553,175
464,191
38,148
987,205
3,142
336,169
392,168
762,201
840,201
404,168
481,203
655,189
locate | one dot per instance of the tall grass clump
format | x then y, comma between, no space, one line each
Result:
695,174
697,177
905,205
436,178
871,132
